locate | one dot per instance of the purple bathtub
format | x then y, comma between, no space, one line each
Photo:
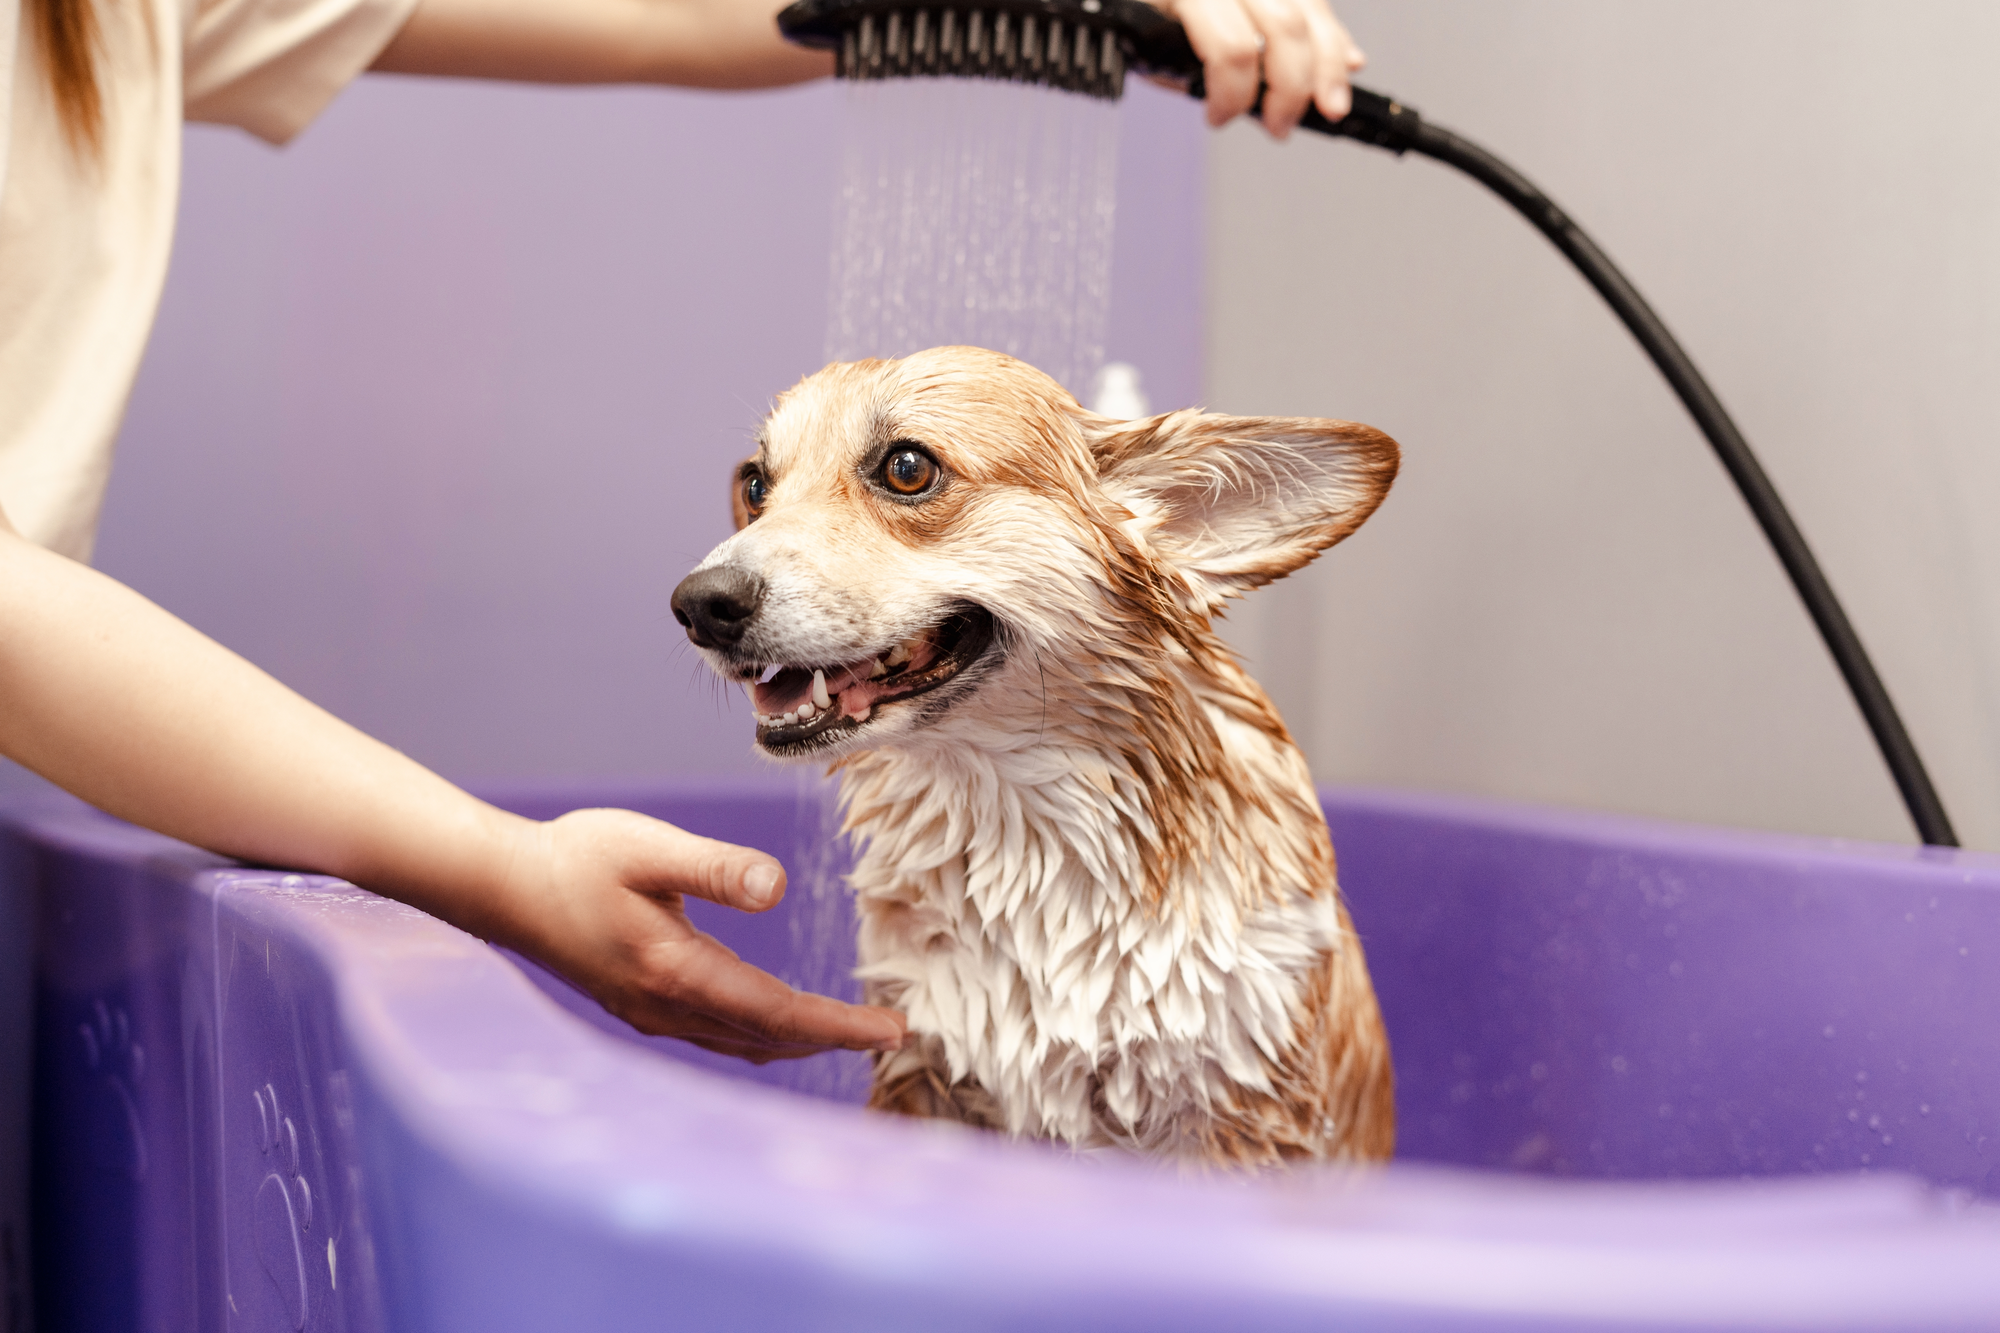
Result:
1649,1076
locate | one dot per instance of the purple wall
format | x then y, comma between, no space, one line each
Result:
442,397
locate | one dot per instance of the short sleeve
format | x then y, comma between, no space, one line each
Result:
270,66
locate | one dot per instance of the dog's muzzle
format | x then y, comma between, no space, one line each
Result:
715,606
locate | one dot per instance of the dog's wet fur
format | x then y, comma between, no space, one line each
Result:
1093,872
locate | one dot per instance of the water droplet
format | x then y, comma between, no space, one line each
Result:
277,1241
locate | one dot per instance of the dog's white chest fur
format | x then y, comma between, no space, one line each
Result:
1005,909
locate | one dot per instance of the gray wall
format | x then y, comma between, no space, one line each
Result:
443,397
1563,600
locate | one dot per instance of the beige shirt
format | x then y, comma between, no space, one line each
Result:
84,245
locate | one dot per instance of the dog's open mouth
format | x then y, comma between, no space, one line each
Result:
800,705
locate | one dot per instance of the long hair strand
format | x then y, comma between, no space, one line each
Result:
69,44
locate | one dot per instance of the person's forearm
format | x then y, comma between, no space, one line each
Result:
112,698
692,43
107,695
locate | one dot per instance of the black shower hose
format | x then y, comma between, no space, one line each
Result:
1386,123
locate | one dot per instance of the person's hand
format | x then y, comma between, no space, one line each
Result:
597,895
1295,49
105,694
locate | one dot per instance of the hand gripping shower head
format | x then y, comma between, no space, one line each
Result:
1082,46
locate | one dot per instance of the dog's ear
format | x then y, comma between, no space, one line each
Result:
1235,502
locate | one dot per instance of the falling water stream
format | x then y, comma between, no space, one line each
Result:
973,211
969,212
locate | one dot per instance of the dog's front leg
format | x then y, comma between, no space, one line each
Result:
915,1081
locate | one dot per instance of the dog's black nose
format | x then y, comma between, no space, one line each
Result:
716,605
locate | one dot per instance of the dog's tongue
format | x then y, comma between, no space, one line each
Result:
784,692
853,693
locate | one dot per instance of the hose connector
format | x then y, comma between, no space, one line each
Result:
1381,121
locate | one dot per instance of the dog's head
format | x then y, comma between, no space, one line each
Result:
913,533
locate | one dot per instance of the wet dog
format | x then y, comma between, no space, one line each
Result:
1093,871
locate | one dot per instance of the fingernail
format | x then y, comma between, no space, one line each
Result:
760,885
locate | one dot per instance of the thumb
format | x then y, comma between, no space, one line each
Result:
656,858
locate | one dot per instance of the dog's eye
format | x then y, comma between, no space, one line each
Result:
909,470
755,491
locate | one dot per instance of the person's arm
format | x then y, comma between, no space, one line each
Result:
1298,47
110,697
688,43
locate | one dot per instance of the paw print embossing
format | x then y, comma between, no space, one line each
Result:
119,1063
283,1211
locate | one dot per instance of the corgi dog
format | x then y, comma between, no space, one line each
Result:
1092,872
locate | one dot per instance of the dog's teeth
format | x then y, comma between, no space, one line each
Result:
876,670
791,719
821,699
898,655
806,711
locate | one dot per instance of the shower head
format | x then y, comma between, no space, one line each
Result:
1082,46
